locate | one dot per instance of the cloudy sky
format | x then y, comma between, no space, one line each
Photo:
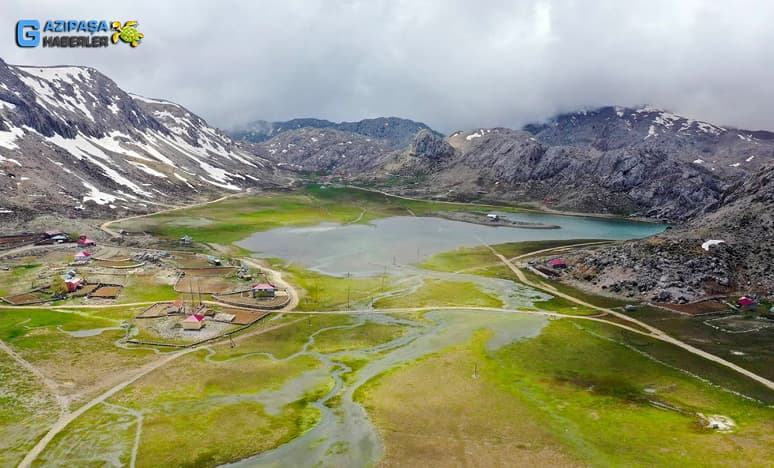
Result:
453,64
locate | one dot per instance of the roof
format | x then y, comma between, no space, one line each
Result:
194,318
73,280
83,253
53,233
556,261
746,301
264,286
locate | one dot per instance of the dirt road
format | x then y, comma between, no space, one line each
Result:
69,417
654,332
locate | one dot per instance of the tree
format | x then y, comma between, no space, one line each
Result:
58,286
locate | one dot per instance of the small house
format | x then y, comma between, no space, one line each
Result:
186,240
212,260
493,217
745,301
264,290
82,256
557,263
193,322
84,241
73,284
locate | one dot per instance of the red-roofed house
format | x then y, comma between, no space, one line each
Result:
73,284
193,322
745,301
557,263
85,241
264,290
82,256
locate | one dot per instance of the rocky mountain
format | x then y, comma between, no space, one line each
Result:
728,250
392,131
728,151
642,161
72,141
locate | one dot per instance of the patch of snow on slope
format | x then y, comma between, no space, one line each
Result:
150,100
709,243
709,128
8,139
473,135
698,161
82,149
666,119
148,170
113,108
47,84
183,179
97,196
651,132
750,158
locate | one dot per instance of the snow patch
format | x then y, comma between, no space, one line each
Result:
709,243
8,139
698,161
477,134
97,196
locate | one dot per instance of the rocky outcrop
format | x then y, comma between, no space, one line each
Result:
679,265
394,132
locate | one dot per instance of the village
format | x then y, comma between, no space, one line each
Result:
190,296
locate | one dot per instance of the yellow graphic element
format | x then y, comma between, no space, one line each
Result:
127,32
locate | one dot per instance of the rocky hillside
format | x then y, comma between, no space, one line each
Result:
728,151
72,141
645,162
728,250
391,131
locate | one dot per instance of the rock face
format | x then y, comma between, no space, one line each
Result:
727,151
394,132
674,266
71,141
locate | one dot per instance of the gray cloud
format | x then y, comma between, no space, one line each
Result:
452,64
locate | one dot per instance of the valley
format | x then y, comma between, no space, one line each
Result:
405,338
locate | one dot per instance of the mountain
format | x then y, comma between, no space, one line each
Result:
393,131
72,141
682,265
634,161
728,151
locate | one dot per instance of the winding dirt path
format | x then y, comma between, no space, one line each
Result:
69,417
654,332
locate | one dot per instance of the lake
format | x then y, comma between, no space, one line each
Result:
387,243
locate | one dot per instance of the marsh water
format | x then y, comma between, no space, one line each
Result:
367,249
345,435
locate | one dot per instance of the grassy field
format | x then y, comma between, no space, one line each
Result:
434,413
19,278
81,365
617,407
476,257
283,341
577,394
441,293
322,292
363,336
146,288
26,410
237,218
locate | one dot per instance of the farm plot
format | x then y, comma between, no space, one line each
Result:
30,297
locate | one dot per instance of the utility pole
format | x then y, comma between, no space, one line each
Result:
349,276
